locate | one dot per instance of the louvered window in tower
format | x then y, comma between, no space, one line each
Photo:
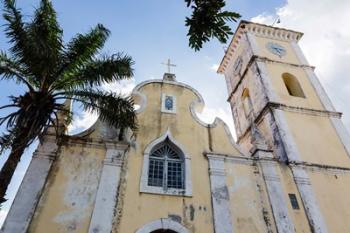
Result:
166,167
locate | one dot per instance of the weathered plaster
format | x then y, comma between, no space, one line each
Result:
106,197
30,190
311,206
277,197
312,209
220,195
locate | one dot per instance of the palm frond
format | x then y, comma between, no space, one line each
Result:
83,48
46,37
17,34
11,69
96,72
116,110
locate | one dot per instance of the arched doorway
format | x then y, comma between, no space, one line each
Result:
163,225
163,231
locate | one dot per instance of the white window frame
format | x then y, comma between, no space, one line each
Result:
163,108
145,188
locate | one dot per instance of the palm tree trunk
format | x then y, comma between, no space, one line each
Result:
9,168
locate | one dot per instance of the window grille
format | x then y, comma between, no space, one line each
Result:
166,167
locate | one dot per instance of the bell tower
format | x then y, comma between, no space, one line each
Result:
270,83
273,87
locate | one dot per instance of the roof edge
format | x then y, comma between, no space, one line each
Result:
259,29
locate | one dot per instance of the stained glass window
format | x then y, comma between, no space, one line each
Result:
169,103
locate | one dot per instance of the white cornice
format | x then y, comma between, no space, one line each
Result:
257,29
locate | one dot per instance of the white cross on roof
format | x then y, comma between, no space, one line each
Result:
168,64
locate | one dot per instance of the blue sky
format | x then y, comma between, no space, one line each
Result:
152,31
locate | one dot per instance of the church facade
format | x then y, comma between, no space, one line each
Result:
287,172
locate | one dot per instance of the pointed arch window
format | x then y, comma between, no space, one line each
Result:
166,167
293,86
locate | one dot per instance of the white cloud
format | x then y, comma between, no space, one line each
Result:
326,42
84,120
123,87
214,67
209,114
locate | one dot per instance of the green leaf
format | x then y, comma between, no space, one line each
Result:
208,21
96,72
116,110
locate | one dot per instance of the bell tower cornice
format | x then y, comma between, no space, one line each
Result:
256,29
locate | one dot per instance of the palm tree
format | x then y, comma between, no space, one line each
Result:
53,72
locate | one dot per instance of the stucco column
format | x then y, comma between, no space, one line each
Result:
261,68
310,204
107,193
274,189
30,190
301,178
220,195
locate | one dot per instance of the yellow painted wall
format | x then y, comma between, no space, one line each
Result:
68,199
249,204
332,192
317,139
279,88
298,217
196,211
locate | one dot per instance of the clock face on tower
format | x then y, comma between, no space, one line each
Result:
276,49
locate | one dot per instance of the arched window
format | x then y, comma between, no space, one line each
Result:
247,103
293,86
166,166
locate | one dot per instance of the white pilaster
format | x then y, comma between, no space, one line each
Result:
312,209
288,141
319,90
220,195
299,53
30,190
252,43
277,198
266,82
313,212
106,197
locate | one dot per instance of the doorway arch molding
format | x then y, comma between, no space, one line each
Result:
163,224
